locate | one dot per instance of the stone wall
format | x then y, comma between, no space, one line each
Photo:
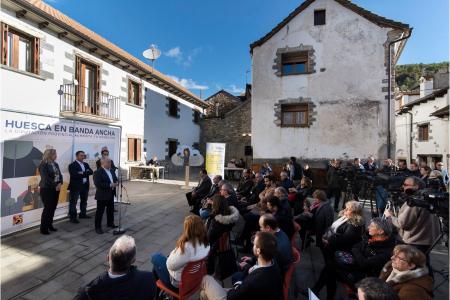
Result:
225,101
229,129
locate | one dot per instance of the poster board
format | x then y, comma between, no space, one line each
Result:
24,138
215,159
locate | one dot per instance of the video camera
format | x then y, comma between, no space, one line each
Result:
436,202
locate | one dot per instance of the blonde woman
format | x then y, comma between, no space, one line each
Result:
191,246
345,232
50,185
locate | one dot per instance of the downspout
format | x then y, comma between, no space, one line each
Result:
410,135
389,91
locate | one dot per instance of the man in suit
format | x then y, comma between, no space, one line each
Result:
199,192
79,186
105,181
105,153
122,280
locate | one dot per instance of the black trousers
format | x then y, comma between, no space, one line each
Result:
336,193
101,205
49,198
193,201
82,193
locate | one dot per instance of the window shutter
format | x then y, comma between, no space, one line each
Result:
139,98
4,49
138,149
130,91
425,133
15,51
295,57
36,43
130,149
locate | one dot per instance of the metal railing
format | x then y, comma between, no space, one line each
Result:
84,100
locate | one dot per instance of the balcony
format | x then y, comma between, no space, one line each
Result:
88,104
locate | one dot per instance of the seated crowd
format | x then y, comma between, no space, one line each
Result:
382,258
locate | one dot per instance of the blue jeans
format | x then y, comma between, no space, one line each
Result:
204,213
381,196
160,270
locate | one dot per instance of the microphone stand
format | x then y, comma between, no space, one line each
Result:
119,229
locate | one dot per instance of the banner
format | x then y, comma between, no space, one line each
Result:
24,138
215,159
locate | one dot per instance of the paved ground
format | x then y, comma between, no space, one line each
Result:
34,266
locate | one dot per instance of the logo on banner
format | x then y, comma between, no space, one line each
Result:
18,219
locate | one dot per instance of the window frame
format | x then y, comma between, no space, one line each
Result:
134,100
295,58
196,116
318,18
293,108
134,149
420,132
172,109
12,59
169,143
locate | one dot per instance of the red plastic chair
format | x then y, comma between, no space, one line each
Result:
191,278
296,232
289,272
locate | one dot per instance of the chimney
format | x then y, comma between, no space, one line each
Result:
426,85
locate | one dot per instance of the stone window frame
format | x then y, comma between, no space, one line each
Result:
420,137
168,100
196,115
293,101
167,147
278,61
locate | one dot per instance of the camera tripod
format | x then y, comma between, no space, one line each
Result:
443,226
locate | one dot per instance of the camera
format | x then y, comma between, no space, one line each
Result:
435,202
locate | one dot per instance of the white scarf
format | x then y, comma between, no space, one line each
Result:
338,223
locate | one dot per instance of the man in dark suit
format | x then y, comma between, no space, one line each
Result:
105,153
79,186
105,181
245,185
123,280
199,192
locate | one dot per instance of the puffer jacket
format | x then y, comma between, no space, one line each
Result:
218,225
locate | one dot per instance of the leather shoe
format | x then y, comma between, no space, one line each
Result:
99,230
52,228
85,217
45,232
113,226
75,221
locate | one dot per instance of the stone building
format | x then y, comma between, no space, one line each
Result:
320,84
228,120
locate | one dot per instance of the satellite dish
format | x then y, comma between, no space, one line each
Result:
152,53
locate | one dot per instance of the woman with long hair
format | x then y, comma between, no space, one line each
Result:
191,246
50,184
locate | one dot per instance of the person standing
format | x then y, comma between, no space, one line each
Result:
79,186
105,181
105,153
50,184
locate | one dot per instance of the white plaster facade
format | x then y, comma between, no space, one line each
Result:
408,145
38,94
348,88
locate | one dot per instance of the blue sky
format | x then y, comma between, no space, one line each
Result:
205,43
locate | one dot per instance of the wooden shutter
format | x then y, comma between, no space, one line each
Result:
425,133
15,51
295,57
139,97
97,89
138,149
130,91
130,149
36,44
4,50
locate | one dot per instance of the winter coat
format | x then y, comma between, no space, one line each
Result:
323,217
347,235
415,284
218,225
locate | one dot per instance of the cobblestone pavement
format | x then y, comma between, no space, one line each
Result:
34,266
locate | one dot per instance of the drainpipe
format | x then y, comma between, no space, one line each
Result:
410,135
389,90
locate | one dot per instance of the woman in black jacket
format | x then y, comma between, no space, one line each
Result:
345,232
50,185
221,220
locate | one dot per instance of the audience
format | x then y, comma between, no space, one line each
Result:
245,185
221,220
191,246
228,192
266,169
267,193
425,174
303,190
370,165
263,281
444,172
407,274
372,288
414,169
285,181
206,202
257,188
295,170
307,172
283,215
122,281
199,192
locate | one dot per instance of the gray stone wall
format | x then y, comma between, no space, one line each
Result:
229,129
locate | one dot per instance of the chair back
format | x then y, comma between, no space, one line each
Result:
289,272
191,278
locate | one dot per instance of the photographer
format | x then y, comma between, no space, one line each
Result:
334,183
381,194
417,226
358,171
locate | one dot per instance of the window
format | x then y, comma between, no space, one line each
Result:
294,115
196,116
294,63
134,92
88,76
319,17
19,50
173,145
173,108
423,132
134,149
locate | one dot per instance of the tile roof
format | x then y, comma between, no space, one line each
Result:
445,111
57,17
374,18
432,96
